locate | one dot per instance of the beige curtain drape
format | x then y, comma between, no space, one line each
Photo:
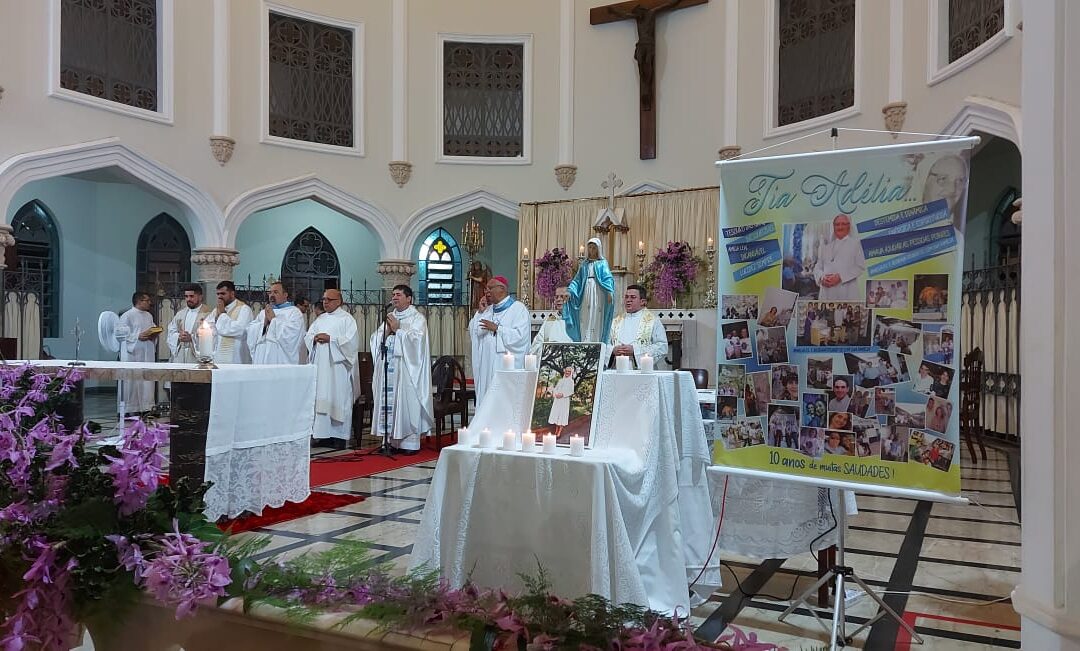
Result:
654,219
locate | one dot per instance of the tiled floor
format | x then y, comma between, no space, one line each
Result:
939,563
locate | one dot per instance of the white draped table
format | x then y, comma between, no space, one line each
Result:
510,404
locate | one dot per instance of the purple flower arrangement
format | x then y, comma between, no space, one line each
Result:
671,272
553,269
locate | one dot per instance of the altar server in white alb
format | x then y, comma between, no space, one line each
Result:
500,326
407,411
275,337
638,331
333,343
183,329
553,329
841,265
139,346
230,320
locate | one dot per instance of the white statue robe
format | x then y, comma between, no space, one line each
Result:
280,342
138,394
642,330
335,373
512,336
552,330
230,330
408,409
186,320
843,257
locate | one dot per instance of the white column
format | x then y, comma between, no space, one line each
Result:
1048,597
896,50
399,80
565,170
221,144
731,73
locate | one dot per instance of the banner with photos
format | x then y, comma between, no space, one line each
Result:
840,298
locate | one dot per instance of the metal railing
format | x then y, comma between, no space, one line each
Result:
990,320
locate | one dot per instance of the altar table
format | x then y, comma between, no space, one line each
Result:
246,429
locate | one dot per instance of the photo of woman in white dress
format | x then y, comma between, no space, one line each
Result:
560,405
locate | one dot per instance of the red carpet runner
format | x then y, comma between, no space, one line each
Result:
351,465
317,502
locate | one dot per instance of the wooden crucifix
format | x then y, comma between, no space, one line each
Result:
644,13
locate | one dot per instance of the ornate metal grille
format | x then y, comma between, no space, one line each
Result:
440,269
483,99
310,265
816,59
163,257
36,266
311,81
109,49
972,23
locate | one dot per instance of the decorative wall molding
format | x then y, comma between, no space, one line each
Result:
644,187
424,219
981,114
396,272
205,217
308,187
938,68
566,89
221,147
400,172
6,239
565,174
894,114
727,152
213,265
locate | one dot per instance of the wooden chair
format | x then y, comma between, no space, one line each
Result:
701,376
448,381
971,385
365,404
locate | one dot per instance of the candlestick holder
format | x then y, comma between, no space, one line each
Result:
523,292
640,262
203,362
710,255
78,332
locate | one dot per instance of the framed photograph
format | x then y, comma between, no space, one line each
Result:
727,408
896,336
739,306
938,413
729,379
887,294
884,401
812,441
785,382
867,437
814,409
931,293
784,426
894,442
819,372
938,342
930,450
772,345
743,433
777,309
757,394
566,390
735,340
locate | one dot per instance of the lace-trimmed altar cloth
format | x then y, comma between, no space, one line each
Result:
513,409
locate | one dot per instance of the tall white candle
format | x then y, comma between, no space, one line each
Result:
509,440
528,441
646,363
508,362
577,446
464,437
622,363
485,438
531,363
549,444
205,339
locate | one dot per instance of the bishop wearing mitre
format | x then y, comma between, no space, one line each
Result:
183,329
276,335
500,326
333,343
553,329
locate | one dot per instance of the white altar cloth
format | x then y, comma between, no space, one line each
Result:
259,437
606,523
513,408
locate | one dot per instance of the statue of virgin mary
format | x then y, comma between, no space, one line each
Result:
592,297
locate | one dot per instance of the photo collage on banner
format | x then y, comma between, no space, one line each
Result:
840,294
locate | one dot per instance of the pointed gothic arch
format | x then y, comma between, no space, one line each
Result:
310,265
421,221
163,257
34,262
439,269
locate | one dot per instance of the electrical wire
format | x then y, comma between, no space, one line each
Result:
835,524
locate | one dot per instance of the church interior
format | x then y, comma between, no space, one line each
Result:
148,145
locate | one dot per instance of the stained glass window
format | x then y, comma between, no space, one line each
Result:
109,49
440,269
37,262
311,81
483,99
163,257
816,58
972,23
310,265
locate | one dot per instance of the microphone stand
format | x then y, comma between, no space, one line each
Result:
384,448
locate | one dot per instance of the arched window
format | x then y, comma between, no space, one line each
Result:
163,258
440,269
37,261
310,265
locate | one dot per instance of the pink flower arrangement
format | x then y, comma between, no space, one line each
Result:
553,270
672,271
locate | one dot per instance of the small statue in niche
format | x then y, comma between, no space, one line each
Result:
479,275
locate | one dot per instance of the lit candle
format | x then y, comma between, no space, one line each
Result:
464,437
510,440
581,249
530,363
577,446
645,364
206,340
485,438
549,444
508,362
641,246
622,363
708,243
528,441
525,253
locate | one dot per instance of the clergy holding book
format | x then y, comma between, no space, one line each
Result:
554,327
275,337
139,346
184,326
501,325
230,318
333,344
407,412
637,331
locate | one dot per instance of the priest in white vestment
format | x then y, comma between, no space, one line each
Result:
407,413
638,331
553,329
333,343
501,325
183,331
276,336
841,265
138,396
230,320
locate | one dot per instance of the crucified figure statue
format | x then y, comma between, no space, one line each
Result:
645,50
